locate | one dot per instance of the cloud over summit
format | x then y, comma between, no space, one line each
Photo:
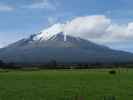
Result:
99,28
88,26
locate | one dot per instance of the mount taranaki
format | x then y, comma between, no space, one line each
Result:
54,44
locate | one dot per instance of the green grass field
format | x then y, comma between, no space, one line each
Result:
65,85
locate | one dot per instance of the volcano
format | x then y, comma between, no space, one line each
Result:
54,44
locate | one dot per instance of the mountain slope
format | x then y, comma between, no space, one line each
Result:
41,48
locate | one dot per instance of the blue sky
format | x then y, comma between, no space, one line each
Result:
20,18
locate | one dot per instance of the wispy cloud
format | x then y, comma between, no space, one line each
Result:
6,8
52,20
43,4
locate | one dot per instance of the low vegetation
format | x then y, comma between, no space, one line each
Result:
67,84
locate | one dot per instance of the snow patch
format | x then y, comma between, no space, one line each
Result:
49,32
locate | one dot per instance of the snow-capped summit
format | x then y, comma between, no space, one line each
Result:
54,43
46,34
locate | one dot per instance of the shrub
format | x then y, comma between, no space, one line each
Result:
112,72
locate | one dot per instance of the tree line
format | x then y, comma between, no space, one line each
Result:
54,65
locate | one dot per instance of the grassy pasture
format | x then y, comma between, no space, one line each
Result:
91,84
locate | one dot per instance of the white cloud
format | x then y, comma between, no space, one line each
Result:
43,4
6,8
99,28
88,27
119,33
